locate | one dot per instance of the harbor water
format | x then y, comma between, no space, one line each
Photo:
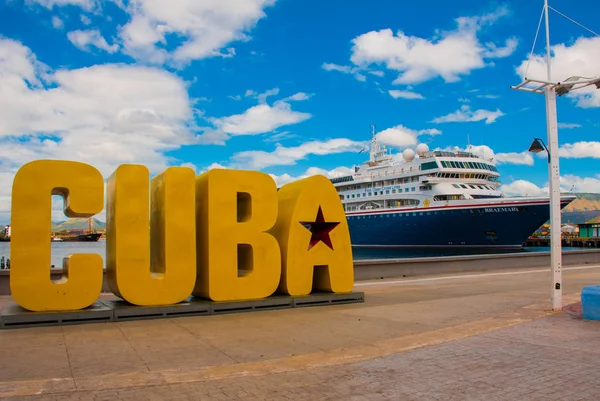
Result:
61,250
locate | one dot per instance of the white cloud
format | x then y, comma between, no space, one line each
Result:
355,71
484,151
523,188
104,115
487,96
401,136
283,179
57,23
85,20
260,119
281,156
514,158
84,40
447,55
193,29
85,4
298,97
261,97
465,114
405,94
568,183
580,184
581,58
579,150
178,32
568,125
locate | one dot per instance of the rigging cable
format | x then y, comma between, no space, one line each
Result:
573,21
534,41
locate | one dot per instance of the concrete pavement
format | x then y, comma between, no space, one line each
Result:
488,336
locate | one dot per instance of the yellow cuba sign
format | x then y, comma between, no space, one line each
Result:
226,235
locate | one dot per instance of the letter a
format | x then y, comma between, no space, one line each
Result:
314,238
237,258
151,262
82,189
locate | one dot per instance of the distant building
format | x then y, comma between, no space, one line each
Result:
590,228
6,232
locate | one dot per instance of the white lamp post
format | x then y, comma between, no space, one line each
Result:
550,89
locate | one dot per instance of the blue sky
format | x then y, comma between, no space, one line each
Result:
290,87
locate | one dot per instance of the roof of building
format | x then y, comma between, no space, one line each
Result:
595,220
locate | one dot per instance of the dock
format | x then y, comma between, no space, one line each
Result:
572,242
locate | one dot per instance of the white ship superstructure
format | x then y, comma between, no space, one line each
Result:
454,196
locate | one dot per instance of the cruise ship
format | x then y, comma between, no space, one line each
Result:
423,198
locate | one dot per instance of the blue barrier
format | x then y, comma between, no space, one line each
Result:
590,302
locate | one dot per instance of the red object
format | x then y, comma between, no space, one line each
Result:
320,230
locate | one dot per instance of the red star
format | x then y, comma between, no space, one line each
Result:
320,230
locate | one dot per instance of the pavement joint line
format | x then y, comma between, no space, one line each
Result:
479,275
330,358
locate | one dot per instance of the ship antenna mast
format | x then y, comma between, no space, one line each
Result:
374,145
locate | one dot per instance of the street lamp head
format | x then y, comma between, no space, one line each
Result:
563,89
536,146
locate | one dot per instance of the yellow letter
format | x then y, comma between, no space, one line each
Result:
234,209
82,188
313,235
151,262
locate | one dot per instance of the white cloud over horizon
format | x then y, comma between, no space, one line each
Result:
105,115
285,156
568,183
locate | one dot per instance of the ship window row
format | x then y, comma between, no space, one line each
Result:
473,186
448,197
387,192
342,179
379,184
470,165
475,176
435,212
394,203
407,214
429,165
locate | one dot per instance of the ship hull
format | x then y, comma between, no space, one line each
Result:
83,238
475,226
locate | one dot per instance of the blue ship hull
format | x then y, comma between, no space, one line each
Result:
488,226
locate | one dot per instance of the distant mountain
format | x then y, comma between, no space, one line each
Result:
77,224
584,208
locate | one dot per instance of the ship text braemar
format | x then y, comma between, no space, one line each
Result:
435,199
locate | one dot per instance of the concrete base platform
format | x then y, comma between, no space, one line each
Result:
123,310
13,316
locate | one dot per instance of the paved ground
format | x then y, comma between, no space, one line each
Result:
471,337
